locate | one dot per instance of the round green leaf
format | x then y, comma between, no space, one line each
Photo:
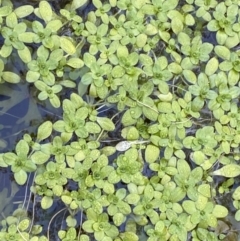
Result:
46,202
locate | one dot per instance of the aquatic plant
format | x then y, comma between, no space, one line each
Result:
142,137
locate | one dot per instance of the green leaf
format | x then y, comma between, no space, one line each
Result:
77,4
23,11
6,50
24,224
67,45
25,55
189,206
10,77
44,130
132,198
141,40
177,25
92,29
75,63
237,215
46,202
184,38
222,52
190,76
211,66
71,222
39,157
204,189
5,10
45,10
219,211
175,68
183,168
92,127
230,170
198,157
32,76
236,194
20,177
131,133
106,123
54,25
152,153
22,148
11,20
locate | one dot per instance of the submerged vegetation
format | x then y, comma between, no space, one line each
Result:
145,142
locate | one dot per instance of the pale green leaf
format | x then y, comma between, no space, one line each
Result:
219,211
23,11
45,11
77,4
75,63
25,55
46,202
54,25
151,153
106,123
5,10
211,66
39,157
24,224
44,130
222,52
20,177
189,76
67,45
10,77
230,170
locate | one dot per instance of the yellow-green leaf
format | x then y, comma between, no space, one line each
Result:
230,170
45,10
220,211
106,123
46,202
151,153
44,130
67,45
75,63
54,25
10,77
25,55
211,66
24,11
